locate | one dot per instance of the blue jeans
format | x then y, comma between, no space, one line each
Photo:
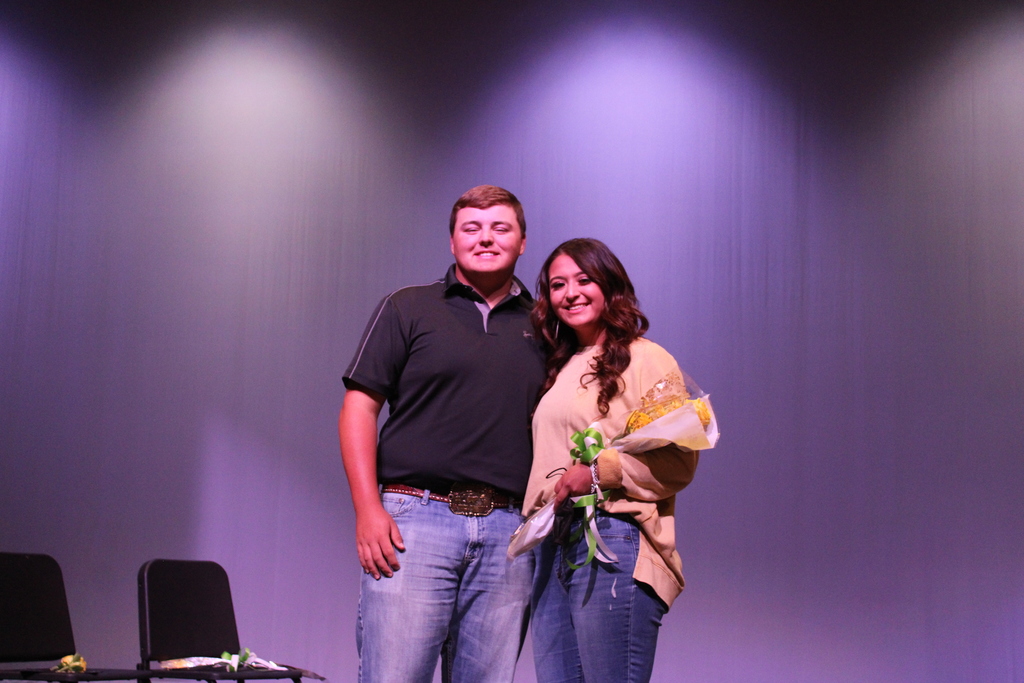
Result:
596,623
455,589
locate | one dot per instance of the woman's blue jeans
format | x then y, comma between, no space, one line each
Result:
455,589
596,623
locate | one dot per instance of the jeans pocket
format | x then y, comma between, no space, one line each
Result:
398,504
617,526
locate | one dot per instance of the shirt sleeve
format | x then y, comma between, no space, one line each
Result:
650,476
658,473
382,352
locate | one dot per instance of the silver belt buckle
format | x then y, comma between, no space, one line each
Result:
471,500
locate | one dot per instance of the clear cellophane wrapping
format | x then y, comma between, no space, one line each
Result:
673,411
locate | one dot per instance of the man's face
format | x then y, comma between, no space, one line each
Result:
487,241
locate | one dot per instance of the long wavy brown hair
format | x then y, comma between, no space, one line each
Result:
622,319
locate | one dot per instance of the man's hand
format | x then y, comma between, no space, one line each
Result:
576,481
377,537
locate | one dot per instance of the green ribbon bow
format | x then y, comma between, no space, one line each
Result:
583,452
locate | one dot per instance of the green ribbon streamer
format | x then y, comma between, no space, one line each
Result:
586,454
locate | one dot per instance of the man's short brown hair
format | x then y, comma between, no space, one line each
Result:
484,197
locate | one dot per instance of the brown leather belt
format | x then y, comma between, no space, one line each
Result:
464,498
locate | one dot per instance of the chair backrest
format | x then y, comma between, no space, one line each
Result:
34,622
185,610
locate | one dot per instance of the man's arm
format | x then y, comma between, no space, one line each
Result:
377,535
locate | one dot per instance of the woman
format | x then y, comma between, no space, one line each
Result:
600,622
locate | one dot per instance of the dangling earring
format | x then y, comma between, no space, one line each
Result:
556,327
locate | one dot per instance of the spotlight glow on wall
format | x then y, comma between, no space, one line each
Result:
658,143
245,119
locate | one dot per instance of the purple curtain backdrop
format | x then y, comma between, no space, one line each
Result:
189,253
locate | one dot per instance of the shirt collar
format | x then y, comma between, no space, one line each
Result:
452,285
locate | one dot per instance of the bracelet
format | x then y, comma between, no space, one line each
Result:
595,481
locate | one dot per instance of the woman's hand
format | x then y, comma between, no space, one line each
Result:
577,481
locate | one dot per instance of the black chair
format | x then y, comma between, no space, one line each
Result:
35,625
185,610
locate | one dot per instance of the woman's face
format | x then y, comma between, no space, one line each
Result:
576,299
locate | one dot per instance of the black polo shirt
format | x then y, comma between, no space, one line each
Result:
460,386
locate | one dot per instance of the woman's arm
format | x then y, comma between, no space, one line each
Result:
661,472
651,476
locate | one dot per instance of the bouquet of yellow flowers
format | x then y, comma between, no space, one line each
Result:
673,411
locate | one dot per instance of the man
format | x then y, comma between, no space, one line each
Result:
439,493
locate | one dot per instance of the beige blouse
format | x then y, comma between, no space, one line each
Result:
642,485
